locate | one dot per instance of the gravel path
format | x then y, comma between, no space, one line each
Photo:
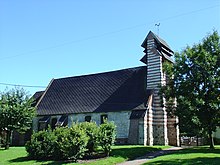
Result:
149,156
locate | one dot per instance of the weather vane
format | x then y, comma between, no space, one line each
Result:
157,24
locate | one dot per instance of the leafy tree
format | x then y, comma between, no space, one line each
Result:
16,112
194,80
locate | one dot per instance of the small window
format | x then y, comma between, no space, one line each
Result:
87,118
63,121
43,123
42,126
103,118
53,123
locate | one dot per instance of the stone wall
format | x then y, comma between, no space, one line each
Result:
121,120
173,131
36,119
133,132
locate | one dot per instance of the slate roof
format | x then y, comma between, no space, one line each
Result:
103,92
162,47
37,97
160,40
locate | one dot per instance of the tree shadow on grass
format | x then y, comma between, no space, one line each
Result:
50,162
192,161
20,159
54,162
126,153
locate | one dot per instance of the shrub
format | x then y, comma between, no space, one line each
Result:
107,133
71,142
41,145
60,133
91,130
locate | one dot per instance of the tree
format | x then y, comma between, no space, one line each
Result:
194,80
16,112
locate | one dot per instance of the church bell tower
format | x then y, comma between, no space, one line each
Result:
162,129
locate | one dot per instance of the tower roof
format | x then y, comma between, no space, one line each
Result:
161,46
158,39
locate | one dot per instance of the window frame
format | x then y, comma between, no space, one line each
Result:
103,117
88,118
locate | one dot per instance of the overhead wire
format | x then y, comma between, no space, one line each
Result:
107,33
19,85
92,37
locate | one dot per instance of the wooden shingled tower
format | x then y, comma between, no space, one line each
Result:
161,129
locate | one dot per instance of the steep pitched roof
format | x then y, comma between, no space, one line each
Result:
161,41
162,47
37,95
104,92
158,39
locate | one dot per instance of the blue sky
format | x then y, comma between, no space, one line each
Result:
45,39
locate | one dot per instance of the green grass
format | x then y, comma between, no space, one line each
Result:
190,156
18,156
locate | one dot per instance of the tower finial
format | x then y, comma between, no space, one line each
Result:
157,24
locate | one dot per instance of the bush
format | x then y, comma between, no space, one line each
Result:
60,133
92,131
41,145
71,142
107,134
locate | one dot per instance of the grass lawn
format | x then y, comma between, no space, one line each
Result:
18,155
190,156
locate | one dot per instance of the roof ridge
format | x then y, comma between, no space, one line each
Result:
92,74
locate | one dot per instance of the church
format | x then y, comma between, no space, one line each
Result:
128,97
